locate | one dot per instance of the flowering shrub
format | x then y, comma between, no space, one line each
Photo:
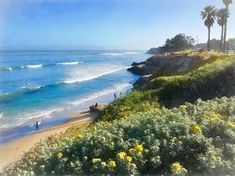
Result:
193,139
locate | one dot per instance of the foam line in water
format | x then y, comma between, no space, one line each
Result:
31,89
68,63
107,91
72,81
34,66
29,118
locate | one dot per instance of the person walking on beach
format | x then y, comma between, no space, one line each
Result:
37,126
115,96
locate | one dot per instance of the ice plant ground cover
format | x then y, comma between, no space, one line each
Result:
192,139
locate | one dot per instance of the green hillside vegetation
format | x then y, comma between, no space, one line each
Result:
133,102
191,139
137,135
201,57
213,79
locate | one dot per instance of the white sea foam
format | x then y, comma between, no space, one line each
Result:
40,115
9,68
28,118
69,63
96,95
88,74
120,53
32,66
43,114
31,87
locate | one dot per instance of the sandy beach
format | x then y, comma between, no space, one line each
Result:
12,151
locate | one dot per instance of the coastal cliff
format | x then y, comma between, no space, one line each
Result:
185,77
163,65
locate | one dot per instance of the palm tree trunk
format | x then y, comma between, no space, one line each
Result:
225,31
222,37
209,39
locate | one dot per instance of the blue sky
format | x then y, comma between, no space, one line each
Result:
102,24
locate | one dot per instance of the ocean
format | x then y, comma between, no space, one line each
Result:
48,86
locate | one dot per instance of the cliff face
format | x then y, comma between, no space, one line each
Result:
160,65
185,78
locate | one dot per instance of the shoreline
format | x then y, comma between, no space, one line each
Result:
14,149
61,117
20,141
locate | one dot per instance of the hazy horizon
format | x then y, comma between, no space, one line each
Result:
102,24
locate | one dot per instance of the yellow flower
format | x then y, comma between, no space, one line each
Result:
121,154
131,150
128,159
196,129
230,125
139,148
112,164
176,166
96,160
59,155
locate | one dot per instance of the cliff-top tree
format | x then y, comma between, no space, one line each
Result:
226,3
222,15
178,43
209,14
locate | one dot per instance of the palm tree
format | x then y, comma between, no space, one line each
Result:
222,16
209,14
226,3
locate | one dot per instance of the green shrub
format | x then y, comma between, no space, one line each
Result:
208,81
193,139
133,102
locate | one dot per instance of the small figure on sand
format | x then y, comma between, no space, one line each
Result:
96,105
37,126
115,96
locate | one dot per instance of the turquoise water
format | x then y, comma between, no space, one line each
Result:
45,85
